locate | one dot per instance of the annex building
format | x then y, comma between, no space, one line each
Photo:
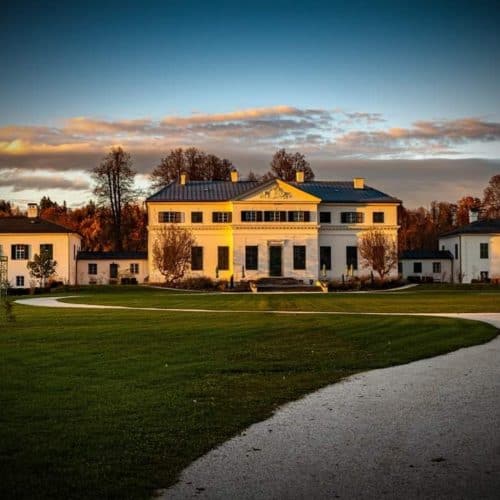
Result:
251,229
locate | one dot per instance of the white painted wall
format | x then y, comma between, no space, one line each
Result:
102,276
65,248
427,269
469,262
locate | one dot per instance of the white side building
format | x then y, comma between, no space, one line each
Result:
22,237
475,249
102,268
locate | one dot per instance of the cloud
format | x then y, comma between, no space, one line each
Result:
18,181
249,137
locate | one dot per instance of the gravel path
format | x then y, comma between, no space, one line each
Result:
429,429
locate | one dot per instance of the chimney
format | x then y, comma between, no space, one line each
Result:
234,175
299,176
358,183
473,216
32,210
183,179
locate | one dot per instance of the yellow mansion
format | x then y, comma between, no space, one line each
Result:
251,229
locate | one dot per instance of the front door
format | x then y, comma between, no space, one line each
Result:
275,253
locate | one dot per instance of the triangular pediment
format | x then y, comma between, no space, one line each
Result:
277,190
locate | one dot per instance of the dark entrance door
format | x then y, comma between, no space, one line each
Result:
275,253
113,271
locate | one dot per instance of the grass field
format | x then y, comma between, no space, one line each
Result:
420,299
113,404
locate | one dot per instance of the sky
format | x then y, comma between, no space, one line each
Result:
405,94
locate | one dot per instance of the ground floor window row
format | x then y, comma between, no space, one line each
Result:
274,255
113,269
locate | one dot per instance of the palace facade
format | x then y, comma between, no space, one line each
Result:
249,229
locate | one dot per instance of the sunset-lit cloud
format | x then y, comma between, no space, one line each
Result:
248,137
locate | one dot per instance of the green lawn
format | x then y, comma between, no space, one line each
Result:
419,299
113,404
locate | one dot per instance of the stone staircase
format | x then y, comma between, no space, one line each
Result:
282,285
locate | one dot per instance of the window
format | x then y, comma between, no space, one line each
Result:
47,248
299,216
456,250
196,217
92,268
325,258
325,217
351,257
352,217
223,258
113,271
20,252
170,217
196,258
252,257
436,267
299,257
19,280
222,217
134,268
251,216
378,217
483,251
417,267
274,216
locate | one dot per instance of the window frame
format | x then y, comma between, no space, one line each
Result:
380,216
484,251
49,247
299,257
351,257
94,266
352,217
416,267
222,217
197,215
19,251
252,261
327,216
436,267
275,216
134,268
170,217
223,258
196,259
20,281
328,260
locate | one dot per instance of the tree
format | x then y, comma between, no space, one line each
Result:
491,199
379,252
172,252
114,180
42,267
198,165
285,166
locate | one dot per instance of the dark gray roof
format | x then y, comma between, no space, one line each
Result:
343,192
478,227
22,224
203,191
327,191
426,255
112,255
